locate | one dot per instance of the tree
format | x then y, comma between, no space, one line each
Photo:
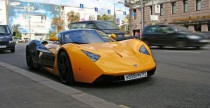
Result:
105,17
73,17
58,24
126,23
17,32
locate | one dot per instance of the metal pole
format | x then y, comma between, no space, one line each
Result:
142,16
114,13
153,8
29,14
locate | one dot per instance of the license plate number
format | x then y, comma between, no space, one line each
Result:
135,76
2,46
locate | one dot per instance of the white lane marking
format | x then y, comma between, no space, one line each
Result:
195,52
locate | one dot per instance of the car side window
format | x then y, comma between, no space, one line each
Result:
152,29
165,29
91,26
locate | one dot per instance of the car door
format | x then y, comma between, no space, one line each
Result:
167,35
151,35
46,57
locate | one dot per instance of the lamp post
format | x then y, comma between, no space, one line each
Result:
142,16
29,8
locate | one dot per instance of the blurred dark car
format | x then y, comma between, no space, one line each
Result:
108,27
173,35
6,39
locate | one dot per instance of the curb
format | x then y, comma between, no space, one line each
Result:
83,97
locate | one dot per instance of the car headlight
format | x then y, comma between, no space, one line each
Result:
11,42
194,37
144,50
92,56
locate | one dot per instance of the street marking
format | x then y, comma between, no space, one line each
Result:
195,52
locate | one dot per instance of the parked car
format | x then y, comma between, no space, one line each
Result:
108,27
172,35
83,55
6,40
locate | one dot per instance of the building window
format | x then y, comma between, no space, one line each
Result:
198,5
197,28
173,7
161,10
150,10
134,13
185,5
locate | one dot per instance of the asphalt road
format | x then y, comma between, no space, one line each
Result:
182,80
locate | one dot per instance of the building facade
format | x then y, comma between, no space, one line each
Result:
193,14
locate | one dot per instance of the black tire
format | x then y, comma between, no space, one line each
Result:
161,46
65,69
180,44
30,63
12,50
198,47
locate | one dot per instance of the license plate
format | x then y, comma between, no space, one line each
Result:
135,76
2,46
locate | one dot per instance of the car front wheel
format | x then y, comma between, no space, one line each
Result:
30,63
65,69
180,44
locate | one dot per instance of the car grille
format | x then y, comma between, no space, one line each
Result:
4,43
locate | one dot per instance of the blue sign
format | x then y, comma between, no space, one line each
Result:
81,6
109,11
96,9
124,12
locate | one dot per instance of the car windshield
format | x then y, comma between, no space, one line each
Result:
106,25
180,29
4,30
84,37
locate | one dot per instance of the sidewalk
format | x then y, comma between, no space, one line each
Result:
22,89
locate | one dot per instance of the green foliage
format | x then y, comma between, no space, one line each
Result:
17,32
105,17
58,23
73,17
52,33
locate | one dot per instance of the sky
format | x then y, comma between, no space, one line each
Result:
102,5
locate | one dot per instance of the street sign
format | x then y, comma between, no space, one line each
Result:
109,11
157,8
124,12
81,6
96,9
154,18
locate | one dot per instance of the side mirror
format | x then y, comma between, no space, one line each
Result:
53,38
14,34
113,36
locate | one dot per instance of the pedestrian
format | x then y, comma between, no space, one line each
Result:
137,34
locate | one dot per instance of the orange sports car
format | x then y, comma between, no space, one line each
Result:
84,55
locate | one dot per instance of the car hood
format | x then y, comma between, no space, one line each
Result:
108,48
117,57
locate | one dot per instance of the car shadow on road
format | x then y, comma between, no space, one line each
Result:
145,81
148,81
